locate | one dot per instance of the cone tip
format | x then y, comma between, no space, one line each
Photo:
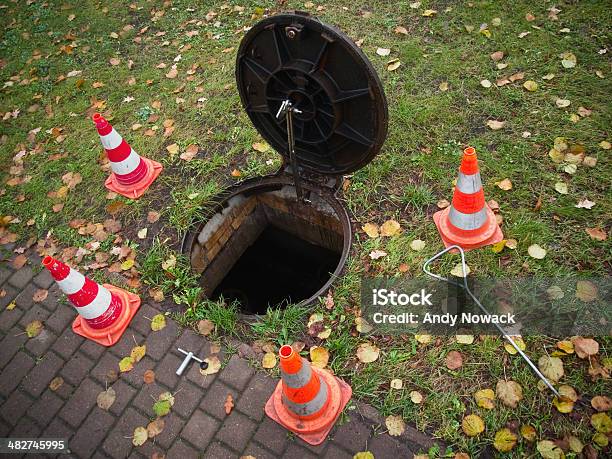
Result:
285,351
469,151
47,261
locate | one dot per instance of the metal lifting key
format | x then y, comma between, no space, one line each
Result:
287,109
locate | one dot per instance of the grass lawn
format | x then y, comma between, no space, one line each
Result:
163,74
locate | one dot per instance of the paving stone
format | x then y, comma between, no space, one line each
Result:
15,406
41,343
236,430
334,452
91,433
5,273
135,377
21,278
146,397
43,279
200,429
118,442
217,450
126,343
65,390
92,349
317,450
142,320
124,394
45,408
237,373
60,319
76,368
254,397
187,398
272,435
159,343
215,398
14,372
173,425
294,451
9,318
57,301
165,372
106,363
32,313
58,429
10,345
5,429
190,341
79,404
258,451
26,428
41,375
67,343
384,446
352,435
180,450
25,298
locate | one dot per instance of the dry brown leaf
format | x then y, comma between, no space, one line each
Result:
454,360
40,295
509,392
229,404
148,376
596,233
19,261
585,347
106,398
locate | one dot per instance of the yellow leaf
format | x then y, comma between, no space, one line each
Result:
561,187
173,149
364,455
465,339
505,440
417,245
140,436
528,432
495,125
269,360
396,384
423,339
367,352
498,246
601,422
549,450
537,252
472,425
504,184
565,403
389,228
457,271
443,86
395,425
429,13
568,60
126,364
158,322
261,147
530,86
138,353
416,397
11,306
34,328
371,229
319,356
485,398
510,349
565,345
605,145
362,325
393,65
600,439
127,264
551,367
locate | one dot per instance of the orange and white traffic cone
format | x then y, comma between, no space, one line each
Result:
468,222
131,173
307,399
105,311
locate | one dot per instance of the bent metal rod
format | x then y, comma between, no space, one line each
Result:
483,309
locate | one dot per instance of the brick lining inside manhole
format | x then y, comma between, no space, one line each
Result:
264,247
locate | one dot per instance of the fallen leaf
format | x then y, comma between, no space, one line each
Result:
585,347
504,184
575,444
19,261
454,360
395,425
190,152
158,322
138,352
142,234
214,365
205,327
551,367
371,229
319,356
604,144
393,65
528,432
485,398
537,252
401,30
269,360
497,56
443,86
510,349
40,295
152,216
457,271
596,233
162,408
172,149
549,450
505,440
106,398
229,404
154,428
586,291
376,254
509,392
148,377
601,422
367,352
126,364
584,204
565,403
568,60
362,325
495,124
383,51
423,339
56,383
442,204
389,228
601,403
114,61
34,328
530,85
417,245
12,305
261,147
429,13
140,436
562,103
396,384
465,339
416,397
566,345
472,425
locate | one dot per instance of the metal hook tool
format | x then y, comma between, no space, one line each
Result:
287,109
188,358
499,327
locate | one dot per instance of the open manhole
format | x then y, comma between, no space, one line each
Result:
315,98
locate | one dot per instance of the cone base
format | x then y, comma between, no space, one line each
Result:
110,335
135,190
316,430
491,234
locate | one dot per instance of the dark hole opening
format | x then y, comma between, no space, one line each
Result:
277,269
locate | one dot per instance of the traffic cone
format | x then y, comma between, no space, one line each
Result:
131,173
105,311
307,399
468,222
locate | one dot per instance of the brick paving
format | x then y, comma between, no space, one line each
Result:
197,425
